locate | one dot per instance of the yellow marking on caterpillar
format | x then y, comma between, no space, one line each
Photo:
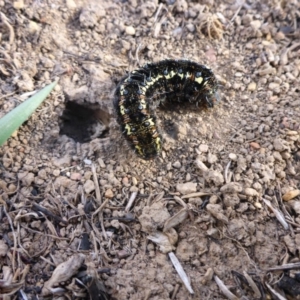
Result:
122,110
128,128
154,79
143,105
122,88
188,75
199,80
143,89
135,111
151,123
171,75
139,149
157,142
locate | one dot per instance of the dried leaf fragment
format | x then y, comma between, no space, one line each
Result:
162,240
63,272
176,219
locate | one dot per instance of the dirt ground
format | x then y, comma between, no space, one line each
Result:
223,196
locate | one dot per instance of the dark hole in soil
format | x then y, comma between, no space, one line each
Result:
85,122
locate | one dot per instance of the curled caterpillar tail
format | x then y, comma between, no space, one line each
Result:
137,95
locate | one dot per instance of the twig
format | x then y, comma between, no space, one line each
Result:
180,201
194,195
137,52
7,95
175,291
285,267
97,188
236,133
157,12
278,296
252,284
48,213
14,236
224,289
288,217
130,202
226,172
236,13
48,261
277,213
24,296
99,210
45,234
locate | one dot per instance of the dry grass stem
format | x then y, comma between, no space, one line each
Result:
278,214
100,214
177,265
285,267
194,195
224,289
252,285
275,293
97,188
14,237
131,201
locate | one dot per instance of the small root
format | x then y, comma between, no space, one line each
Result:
210,25
4,19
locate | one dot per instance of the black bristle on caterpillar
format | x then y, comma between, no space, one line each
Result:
137,96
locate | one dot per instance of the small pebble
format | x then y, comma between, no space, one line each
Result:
130,30
109,194
134,181
190,27
18,4
186,188
256,24
251,86
233,156
71,4
203,148
254,145
279,145
177,164
290,195
56,172
75,176
125,181
89,186
251,192
231,188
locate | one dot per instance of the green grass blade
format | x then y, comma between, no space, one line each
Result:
15,118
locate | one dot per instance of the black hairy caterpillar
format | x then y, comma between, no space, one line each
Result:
138,94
